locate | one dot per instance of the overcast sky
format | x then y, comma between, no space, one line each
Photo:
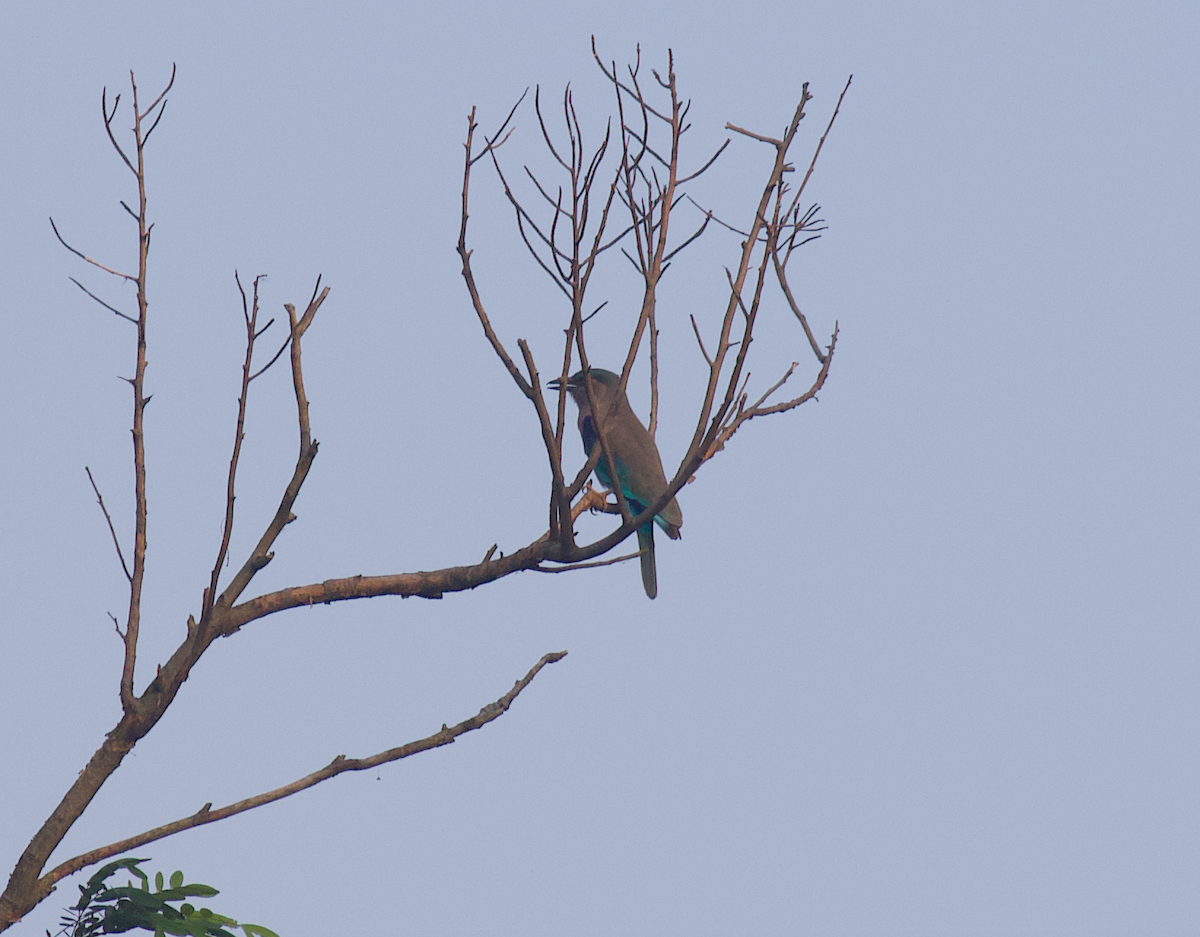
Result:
925,660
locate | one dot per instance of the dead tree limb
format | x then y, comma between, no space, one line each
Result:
341,764
631,169
646,180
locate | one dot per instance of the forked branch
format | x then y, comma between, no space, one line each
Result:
341,764
649,190
643,175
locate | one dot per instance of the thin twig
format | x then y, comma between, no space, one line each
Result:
700,341
781,275
162,94
111,530
699,231
261,555
617,82
558,499
704,168
754,136
128,318
108,119
723,224
469,276
94,263
250,315
592,565
497,141
821,143
282,348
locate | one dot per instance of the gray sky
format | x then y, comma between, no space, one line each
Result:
925,659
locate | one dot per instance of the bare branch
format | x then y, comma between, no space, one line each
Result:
724,224
469,276
162,95
94,263
282,348
593,565
652,238
111,530
261,555
129,702
699,231
575,239
754,136
700,341
559,504
556,204
162,110
702,437
128,318
108,119
781,275
497,141
523,218
821,143
704,168
250,314
612,76
537,107
757,410
339,765
811,392
645,146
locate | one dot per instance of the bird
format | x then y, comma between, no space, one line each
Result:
635,458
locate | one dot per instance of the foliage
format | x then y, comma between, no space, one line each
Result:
114,910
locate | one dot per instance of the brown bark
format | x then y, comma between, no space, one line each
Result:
642,183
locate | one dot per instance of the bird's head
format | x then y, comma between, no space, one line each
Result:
605,385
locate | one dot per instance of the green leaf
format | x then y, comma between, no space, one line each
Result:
96,882
219,919
130,906
141,898
106,870
257,930
188,891
183,929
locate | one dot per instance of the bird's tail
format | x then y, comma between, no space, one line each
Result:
645,537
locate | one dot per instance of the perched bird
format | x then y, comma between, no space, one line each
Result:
634,455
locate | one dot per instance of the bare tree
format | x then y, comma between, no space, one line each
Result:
621,194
